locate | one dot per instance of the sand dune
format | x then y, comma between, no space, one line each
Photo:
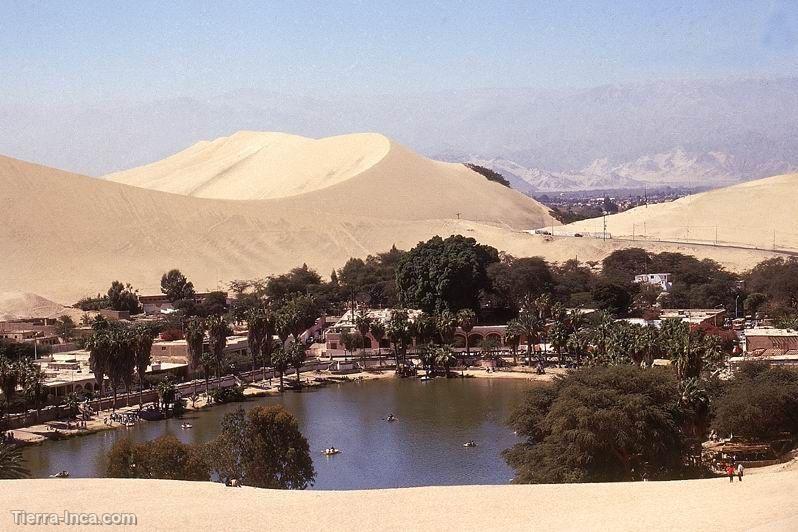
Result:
259,165
762,502
760,214
66,235
15,304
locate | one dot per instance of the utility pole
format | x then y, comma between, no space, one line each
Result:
605,226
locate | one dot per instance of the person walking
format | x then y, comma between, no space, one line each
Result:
740,471
730,472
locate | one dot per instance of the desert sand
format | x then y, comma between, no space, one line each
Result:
15,304
759,214
66,236
760,502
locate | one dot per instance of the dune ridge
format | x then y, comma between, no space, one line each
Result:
758,214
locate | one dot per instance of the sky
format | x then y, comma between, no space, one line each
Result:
88,51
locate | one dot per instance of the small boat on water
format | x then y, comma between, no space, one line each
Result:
330,451
62,474
470,443
186,426
391,418
425,378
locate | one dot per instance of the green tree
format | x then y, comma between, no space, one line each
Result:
165,457
377,329
143,338
65,328
195,341
176,287
444,274
467,320
281,359
123,297
399,333
297,356
12,464
218,330
600,425
264,448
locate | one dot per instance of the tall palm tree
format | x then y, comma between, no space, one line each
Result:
218,329
446,323
12,464
281,359
143,338
195,341
399,333
467,320
443,356
207,361
529,325
296,355
377,330
363,325
255,318
9,379
512,337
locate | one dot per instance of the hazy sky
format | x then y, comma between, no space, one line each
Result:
103,50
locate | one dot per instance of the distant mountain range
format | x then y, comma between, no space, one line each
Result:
676,168
700,133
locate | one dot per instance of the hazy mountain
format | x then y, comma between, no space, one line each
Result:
707,132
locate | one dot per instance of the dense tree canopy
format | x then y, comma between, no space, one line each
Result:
162,458
265,448
175,286
444,274
122,296
760,402
600,425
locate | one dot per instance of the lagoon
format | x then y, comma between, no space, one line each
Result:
423,448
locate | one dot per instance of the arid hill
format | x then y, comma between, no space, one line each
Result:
758,214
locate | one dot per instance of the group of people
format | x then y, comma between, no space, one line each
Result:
8,437
731,471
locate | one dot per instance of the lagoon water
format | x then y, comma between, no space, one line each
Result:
423,448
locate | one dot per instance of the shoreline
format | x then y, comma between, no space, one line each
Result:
59,430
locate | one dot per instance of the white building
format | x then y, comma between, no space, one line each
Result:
663,280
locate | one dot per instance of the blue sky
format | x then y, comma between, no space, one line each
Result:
102,50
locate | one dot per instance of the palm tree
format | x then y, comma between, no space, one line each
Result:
512,336
256,334
9,378
529,325
195,340
399,333
443,356
207,361
32,382
218,329
446,323
467,319
281,359
296,353
377,330
12,464
363,325
166,394
143,337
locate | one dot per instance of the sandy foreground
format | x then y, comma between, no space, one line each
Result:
760,502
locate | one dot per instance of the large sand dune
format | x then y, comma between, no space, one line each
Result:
64,235
259,165
760,502
759,214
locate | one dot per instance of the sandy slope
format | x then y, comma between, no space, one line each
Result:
65,236
259,165
749,214
763,502
15,304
